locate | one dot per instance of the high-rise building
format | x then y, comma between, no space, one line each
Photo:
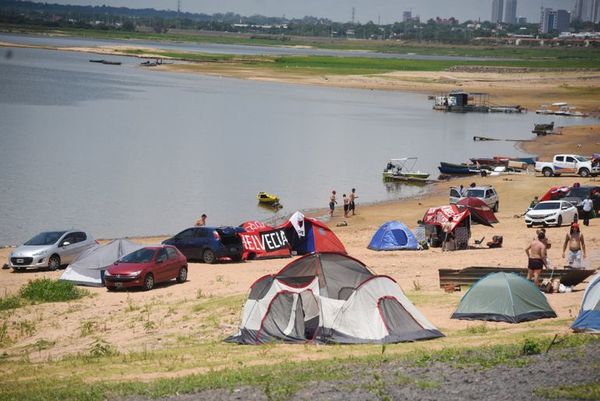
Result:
406,16
497,8
510,12
587,11
554,20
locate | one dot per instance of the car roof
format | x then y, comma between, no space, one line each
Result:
481,187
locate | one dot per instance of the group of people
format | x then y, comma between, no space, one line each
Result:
537,252
349,203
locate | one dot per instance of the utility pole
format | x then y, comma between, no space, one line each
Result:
353,14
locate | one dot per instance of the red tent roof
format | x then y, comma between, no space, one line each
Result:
441,214
480,211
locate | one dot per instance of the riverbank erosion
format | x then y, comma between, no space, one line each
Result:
175,332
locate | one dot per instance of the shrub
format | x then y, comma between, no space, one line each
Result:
531,347
11,302
46,290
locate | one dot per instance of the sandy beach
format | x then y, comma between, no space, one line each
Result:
416,272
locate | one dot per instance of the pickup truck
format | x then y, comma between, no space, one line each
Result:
568,164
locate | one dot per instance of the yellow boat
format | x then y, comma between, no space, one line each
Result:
270,199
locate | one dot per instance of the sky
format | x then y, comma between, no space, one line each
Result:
385,11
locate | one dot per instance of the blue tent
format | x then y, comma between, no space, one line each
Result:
589,316
393,236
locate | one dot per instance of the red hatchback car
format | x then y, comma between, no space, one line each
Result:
147,266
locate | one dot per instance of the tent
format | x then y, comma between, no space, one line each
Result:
435,217
88,268
392,236
307,235
555,193
480,211
439,215
261,241
503,297
589,315
330,298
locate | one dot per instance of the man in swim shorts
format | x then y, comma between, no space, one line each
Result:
536,254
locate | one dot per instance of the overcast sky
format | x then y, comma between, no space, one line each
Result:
341,10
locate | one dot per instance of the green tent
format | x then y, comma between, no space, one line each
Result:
503,297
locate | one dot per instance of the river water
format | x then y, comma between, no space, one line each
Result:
125,151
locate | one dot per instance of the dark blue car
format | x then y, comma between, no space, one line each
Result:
208,244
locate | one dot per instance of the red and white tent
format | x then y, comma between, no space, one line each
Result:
439,215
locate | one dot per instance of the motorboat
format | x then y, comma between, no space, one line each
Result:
458,169
403,169
266,198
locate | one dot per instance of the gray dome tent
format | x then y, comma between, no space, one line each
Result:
88,268
330,298
503,297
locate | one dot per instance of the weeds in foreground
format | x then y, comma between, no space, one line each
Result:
101,348
87,328
589,391
531,347
11,302
46,290
416,285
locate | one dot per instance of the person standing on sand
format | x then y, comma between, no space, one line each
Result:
587,205
201,221
332,203
353,196
574,240
448,234
536,254
346,205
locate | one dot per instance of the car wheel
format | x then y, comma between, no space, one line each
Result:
148,282
559,221
182,276
110,289
496,207
53,262
529,225
547,172
209,256
236,258
584,172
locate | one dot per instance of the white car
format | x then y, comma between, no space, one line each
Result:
50,249
486,193
555,213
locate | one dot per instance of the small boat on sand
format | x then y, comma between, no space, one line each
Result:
403,169
266,198
108,62
458,169
96,60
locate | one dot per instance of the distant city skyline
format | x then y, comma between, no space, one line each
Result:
386,11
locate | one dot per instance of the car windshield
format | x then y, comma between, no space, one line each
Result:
547,206
143,255
475,193
579,192
45,238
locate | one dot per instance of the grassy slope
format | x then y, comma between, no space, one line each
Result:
204,361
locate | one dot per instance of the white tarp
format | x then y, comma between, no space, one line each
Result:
88,267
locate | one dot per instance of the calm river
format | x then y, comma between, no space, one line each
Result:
124,151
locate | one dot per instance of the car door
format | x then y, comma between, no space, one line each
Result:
185,242
173,265
570,164
161,266
67,248
454,195
202,239
490,198
80,243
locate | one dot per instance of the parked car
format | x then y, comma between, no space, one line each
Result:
576,195
486,193
50,249
568,164
551,213
146,267
209,244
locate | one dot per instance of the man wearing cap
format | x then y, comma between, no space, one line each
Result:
574,240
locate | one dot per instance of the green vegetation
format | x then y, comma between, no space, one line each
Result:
574,392
46,290
278,380
40,291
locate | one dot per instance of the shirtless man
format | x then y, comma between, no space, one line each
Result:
536,252
353,196
574,240
332,203
201,221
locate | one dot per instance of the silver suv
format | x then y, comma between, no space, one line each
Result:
486,193
50,249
